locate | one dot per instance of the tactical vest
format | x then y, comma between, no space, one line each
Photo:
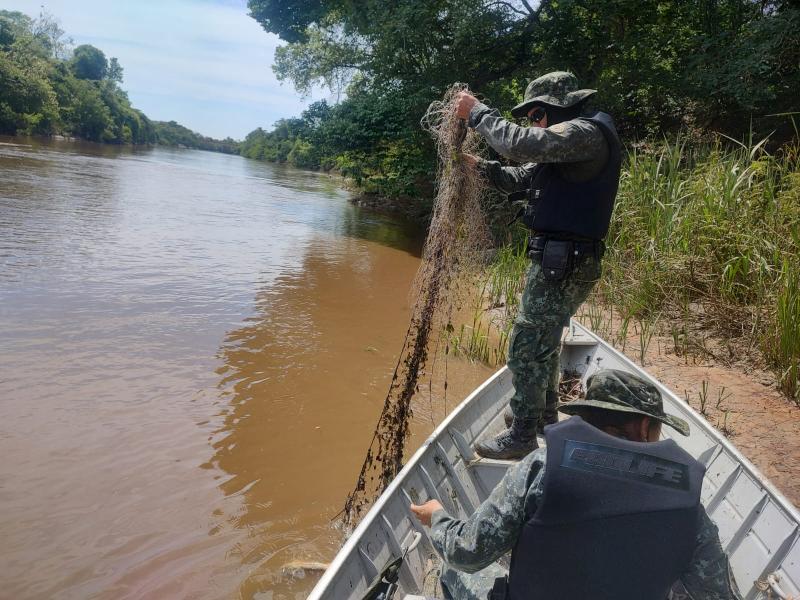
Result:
576,209
617,520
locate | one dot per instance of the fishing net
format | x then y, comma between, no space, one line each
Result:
452,254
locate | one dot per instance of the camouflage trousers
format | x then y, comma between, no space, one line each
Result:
458,585
535,345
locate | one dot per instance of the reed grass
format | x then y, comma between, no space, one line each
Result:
702,235
493,309
711,234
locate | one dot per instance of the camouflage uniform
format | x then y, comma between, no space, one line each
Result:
581,150
470,547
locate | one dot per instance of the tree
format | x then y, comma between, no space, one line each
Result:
27,101
89,62
114,70
91,117
48,31
13,24
410,44
288,18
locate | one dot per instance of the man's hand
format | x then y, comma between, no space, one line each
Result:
464,104
425,511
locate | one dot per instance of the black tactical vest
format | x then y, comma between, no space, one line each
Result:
582,209
617,520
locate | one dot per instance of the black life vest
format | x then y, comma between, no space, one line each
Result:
576,209
617,521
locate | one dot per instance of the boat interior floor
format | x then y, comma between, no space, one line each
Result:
432,588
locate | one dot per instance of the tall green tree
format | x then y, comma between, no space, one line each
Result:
114,70
89,62
659,64
13,24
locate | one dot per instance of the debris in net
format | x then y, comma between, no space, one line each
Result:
570,388
453,252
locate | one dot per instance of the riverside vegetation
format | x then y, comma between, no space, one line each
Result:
49,88
660,66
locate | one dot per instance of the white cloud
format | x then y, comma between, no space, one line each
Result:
203,63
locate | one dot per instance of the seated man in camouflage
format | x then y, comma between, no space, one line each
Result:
604,512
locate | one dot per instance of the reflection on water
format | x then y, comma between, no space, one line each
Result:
302,382
195,350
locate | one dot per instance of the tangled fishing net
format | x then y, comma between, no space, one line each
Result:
452,253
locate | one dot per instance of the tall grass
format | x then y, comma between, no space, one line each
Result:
707,234
715,228
493,310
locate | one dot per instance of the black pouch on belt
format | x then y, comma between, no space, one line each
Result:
556,259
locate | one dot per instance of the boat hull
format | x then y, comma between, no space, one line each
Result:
759,527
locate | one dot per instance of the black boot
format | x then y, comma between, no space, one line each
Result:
511,444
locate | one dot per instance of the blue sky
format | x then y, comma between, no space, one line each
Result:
203,63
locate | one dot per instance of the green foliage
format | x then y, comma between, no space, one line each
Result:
287,18
13,24
46,90
364,137
172,134
89,62
27,101
660,66
114,70
716,229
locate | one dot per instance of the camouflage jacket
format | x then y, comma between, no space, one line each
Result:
492,530
579,146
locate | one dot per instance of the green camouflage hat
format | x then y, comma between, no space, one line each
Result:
558,88
621,391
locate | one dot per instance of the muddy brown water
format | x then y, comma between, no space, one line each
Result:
194,351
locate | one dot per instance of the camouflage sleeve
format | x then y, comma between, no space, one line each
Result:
709,576
474,543
572,141
506,179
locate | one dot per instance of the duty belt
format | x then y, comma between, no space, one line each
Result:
536,244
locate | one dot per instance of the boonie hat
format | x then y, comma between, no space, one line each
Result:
612,389
559,89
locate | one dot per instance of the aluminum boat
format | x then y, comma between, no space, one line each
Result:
758,526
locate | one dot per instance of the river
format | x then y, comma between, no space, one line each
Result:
195,349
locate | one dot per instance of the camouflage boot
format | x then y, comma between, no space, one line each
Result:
511,444
550,414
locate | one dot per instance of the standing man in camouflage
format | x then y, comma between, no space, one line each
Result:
569,177
605,512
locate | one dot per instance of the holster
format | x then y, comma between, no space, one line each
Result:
557,259
499,590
